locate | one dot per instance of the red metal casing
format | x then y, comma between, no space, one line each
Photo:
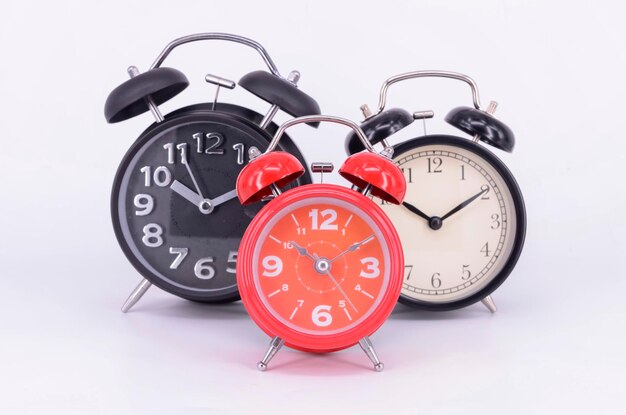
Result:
267,321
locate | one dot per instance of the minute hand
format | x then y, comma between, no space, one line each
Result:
353,247
462,205
224,198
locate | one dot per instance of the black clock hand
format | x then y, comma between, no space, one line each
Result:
301,250
353,247
416,210
462,205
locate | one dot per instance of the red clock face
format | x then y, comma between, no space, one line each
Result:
324,264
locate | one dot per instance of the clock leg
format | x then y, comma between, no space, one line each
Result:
136,295
368,348
488,302
275,344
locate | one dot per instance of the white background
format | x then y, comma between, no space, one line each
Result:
557,343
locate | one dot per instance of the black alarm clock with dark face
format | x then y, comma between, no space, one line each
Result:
174,205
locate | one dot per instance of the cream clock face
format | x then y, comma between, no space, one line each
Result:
458,224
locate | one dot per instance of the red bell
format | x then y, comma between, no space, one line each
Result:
386,179
277,167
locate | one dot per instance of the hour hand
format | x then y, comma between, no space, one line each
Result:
416,210
186,192
301,250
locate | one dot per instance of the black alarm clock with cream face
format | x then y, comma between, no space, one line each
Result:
463,222
460,224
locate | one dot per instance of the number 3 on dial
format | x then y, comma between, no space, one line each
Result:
371,270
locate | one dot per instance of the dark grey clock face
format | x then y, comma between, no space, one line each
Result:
176,211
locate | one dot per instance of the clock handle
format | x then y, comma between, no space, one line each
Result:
323,118
382,100
369,171
217,36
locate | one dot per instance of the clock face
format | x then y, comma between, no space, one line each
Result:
462,223
175,208
322,265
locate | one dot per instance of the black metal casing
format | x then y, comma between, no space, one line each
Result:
520,210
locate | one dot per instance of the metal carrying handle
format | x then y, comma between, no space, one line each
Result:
217,36
424,74
320,118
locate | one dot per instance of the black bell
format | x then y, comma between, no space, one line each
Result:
378,128
128,99
484,125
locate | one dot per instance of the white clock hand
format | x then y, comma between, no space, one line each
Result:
193,179
302,251
224,198
341,290
323,266
186,192
197,199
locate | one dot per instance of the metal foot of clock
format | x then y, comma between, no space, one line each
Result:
368,348
136,295
275,344
488,302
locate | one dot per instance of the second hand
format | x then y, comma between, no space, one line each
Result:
327,272
341,290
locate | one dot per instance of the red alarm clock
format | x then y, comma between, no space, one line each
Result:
320,267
